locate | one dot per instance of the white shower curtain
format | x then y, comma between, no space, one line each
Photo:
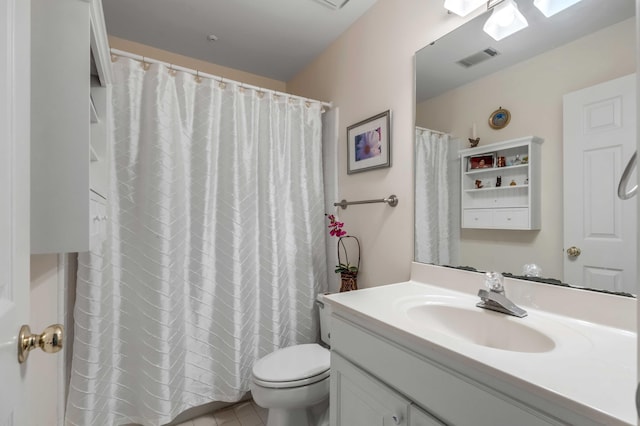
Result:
436,218
215,249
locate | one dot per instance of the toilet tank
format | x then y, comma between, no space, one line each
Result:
325,319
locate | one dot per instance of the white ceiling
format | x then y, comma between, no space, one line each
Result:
271,38
437,70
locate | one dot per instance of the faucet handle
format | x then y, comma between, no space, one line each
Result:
494,281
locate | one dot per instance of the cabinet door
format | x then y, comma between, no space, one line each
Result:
417,417
60,126
357,399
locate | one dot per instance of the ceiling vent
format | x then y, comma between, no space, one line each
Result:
334,4
476,58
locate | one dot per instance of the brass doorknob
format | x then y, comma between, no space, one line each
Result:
49,341
573,251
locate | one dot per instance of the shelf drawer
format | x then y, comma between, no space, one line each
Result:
511,218
477,218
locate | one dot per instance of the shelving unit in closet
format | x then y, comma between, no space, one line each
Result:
70,124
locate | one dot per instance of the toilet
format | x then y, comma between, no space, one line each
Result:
293,382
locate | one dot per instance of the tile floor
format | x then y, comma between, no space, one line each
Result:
245,413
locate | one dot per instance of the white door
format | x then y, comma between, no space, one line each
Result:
599,139
14,204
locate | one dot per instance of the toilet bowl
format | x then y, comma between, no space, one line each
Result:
293,382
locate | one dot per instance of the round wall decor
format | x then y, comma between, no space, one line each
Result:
499,118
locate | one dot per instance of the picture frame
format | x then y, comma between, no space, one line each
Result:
484,161
369,144
499,118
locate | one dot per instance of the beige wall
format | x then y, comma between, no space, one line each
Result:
187,62
365,72
532,91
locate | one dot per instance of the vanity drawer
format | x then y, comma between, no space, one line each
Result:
447,394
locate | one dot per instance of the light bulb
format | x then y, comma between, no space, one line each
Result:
463,7
505,20
504,17
551,7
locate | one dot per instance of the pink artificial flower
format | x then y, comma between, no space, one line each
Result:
335,227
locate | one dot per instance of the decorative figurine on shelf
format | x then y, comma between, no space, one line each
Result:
502,161
525,159
479,183
517,161
498,181
474,139
513,183
348,272
526,181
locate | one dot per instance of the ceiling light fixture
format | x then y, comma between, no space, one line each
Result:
334,4
505,20
463,7
551,7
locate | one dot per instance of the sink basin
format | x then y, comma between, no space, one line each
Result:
480,326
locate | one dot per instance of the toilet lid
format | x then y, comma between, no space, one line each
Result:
292,363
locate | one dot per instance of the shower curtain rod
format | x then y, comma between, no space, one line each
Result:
430,130
197,73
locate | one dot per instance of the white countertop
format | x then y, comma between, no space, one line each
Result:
591,370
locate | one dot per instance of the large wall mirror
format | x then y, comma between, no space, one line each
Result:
465,76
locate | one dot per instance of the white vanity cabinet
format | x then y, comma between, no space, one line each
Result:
417,417
357,398
70,122
374,379
501,185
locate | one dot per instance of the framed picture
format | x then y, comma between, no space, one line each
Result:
484,161
369,144
499,118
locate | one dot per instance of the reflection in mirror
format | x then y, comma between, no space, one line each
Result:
465,76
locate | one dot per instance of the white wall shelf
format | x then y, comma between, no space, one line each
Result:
495,169
497,188
484,204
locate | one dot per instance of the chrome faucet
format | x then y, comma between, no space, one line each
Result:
495,299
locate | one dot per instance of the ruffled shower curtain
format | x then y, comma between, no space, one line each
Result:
214,251
437,222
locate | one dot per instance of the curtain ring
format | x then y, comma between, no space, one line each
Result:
172,72
114,57
198,78
145,64
222,84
